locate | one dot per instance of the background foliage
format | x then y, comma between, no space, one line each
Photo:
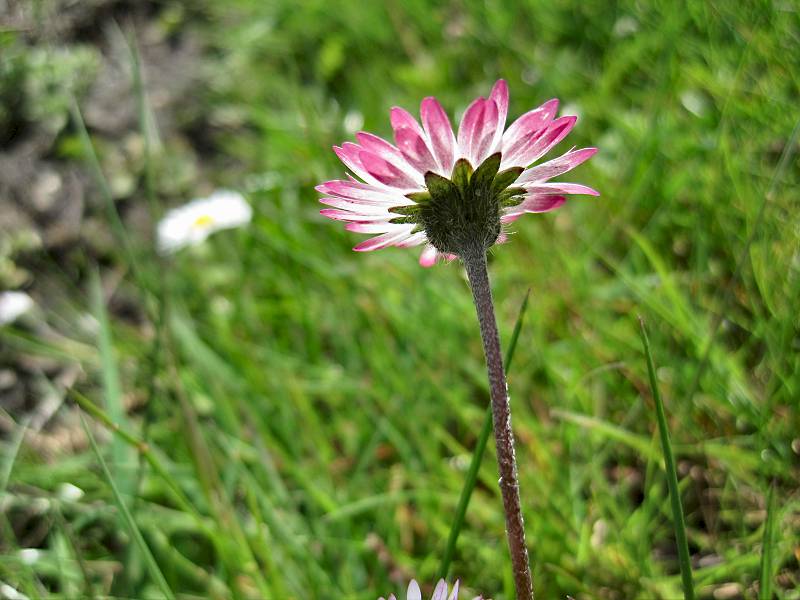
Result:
298,418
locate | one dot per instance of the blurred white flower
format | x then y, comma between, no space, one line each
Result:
69,492
8,592
192,223
440,593
13,305
29,556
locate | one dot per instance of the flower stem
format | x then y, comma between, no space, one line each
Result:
475,263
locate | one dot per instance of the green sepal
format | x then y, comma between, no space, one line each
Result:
511,196
503,179
419,197
403,220
440,188
412,209
462,171
483,177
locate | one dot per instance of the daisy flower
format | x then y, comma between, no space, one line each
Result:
13,305
440,593
192,223
447,191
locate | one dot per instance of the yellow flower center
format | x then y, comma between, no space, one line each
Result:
203,221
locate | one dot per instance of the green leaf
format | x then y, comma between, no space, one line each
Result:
768,549
122,458
128,521
679,523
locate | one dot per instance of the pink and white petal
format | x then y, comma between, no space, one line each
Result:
532,204
415,239
541,144
386,173
428,256
521,130
349,154
470,123
385,240
364,193
454,594
413,592
558,187
440,134
401,118
388,152
538,144
557,166
346,215
358,207
376,227
500,96
483,136
415,149
440,592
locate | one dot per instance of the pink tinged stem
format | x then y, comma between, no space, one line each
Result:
475,263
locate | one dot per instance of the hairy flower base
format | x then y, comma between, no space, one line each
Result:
422,189
462,214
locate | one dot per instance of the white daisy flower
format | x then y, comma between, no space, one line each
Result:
13,305
192,223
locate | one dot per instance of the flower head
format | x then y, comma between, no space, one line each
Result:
13,305
440,593
453,193
192,223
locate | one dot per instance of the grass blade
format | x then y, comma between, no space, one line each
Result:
127,518
143,448
11,455
672,475
768,549
114,219
122,458
477,455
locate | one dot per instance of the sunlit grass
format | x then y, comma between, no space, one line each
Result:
309,413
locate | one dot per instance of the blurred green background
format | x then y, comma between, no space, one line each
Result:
298,418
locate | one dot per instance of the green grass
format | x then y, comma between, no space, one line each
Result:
678,518
300,422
